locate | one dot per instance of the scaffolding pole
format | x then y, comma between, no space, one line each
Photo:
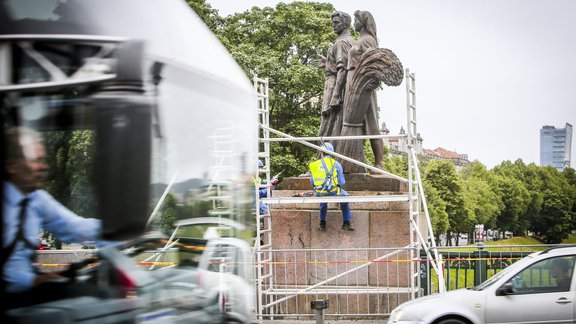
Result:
267,294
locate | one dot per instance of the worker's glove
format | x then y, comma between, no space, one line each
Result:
274,182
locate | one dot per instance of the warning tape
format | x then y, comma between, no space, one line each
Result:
168,263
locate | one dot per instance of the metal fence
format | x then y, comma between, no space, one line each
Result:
355,282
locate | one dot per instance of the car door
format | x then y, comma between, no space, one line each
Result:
537,295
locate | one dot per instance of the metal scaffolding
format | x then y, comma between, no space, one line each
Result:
271,296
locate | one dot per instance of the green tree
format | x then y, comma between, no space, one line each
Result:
515,199
442,176
553,223
437,211
515,196
70,157
484,202
570,175
208,14
166,219
395,164
280,43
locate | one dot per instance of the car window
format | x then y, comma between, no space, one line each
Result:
549,275
504,272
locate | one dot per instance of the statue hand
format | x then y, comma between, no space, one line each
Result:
321,63
335,103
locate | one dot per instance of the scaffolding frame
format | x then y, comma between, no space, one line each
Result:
263,253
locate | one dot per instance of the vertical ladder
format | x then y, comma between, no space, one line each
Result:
417,199
263,241
413,201
219,188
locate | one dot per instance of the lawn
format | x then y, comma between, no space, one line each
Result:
570,240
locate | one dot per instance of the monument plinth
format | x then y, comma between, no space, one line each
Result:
354,182
382,224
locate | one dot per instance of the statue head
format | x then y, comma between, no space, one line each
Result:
344,20
365,20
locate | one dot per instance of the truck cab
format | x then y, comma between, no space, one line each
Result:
147,119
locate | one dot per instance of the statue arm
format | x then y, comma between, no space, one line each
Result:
320,63
338,93
341,56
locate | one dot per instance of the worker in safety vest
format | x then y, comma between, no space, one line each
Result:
263,191
327,177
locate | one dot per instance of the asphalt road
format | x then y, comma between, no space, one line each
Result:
382,321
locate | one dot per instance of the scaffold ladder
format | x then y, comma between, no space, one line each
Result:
263,241
414,198
417,198
219,189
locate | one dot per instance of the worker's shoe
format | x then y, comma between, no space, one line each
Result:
347,226
322,226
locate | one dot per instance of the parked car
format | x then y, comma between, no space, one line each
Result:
539,288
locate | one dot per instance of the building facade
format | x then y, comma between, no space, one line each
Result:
555,146
398,145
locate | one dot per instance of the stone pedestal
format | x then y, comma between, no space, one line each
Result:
313,256
354,182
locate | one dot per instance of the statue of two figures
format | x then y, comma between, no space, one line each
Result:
354,70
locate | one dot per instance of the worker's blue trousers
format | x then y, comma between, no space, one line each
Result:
345,207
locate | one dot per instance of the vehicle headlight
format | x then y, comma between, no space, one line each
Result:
396,315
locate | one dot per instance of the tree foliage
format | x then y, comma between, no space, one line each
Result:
553,222
437,209
279,44
208,14
70,179
166,219
442,176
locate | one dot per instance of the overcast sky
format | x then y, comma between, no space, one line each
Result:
489,73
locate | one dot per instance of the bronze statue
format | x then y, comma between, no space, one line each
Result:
368,66
335,64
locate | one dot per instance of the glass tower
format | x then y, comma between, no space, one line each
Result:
555,146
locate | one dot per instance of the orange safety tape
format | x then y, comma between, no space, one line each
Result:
150,263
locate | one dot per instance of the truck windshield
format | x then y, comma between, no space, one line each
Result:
198,143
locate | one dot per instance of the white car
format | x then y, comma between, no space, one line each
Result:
540,288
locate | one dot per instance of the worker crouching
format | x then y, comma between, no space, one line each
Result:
327,177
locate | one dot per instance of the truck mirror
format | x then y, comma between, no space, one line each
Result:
123,147
122,164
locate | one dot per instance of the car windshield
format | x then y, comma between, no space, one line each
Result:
504,272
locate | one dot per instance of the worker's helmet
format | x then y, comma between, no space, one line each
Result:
260,164
328,146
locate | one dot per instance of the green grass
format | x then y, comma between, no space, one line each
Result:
570,240
518,240
503,243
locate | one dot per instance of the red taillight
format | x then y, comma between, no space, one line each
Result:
223,303
127,285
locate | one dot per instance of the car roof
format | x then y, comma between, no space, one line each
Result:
560,250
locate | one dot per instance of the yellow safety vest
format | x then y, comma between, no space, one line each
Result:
324,175
257,182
